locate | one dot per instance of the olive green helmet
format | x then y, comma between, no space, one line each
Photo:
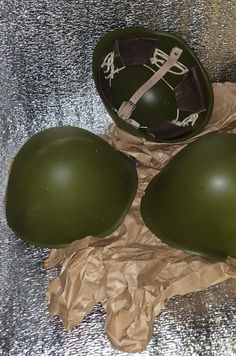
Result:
152,84
191,203
66,183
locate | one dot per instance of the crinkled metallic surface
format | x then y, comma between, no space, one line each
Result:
46,80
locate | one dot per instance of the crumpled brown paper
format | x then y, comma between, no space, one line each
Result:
131,272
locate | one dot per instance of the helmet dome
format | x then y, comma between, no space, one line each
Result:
66,183
191,203
152,84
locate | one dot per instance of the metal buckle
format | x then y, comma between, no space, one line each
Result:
125,110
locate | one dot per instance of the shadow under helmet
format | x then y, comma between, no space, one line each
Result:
191,203
66,183
152,84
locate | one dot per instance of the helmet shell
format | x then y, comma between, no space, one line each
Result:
126,58
191,203
66,183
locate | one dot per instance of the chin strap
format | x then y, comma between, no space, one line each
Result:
127,107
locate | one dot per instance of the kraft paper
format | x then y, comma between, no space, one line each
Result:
131,272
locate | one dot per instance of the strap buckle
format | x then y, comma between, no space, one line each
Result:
125,110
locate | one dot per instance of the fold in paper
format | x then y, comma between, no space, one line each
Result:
131,272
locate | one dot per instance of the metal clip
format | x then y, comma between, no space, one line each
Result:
125,110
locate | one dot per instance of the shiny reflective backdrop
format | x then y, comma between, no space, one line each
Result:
46,80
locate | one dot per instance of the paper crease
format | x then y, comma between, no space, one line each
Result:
131,272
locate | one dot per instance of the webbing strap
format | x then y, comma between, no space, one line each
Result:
126,108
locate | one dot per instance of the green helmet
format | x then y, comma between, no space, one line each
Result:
66,183
191,203
152,84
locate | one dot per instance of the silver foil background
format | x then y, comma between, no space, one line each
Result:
46,80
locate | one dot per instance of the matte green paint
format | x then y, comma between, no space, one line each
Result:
138,75
66,183
191,203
